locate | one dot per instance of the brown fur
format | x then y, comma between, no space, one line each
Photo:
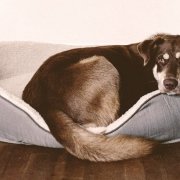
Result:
92,86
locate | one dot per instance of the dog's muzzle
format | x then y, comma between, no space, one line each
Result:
170,84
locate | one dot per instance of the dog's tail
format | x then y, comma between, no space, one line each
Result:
95,147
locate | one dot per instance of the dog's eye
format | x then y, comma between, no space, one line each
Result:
162,61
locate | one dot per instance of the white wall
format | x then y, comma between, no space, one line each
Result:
87,21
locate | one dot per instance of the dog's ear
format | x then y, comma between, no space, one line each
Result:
144,50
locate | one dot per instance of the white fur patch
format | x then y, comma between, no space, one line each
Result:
159,76
97,130
155,72
89,60
166,56
178,55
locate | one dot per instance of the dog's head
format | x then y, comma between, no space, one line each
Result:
163,53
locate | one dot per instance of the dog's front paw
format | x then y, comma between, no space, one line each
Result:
97,130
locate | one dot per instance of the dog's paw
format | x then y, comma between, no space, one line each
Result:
97,130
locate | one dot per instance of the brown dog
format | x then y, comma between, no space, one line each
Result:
93,86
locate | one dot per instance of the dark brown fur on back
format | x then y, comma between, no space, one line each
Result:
91,87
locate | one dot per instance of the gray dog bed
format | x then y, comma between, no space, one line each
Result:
155,115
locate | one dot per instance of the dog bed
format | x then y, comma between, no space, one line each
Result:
155,115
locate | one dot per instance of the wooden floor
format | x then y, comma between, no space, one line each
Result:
38,163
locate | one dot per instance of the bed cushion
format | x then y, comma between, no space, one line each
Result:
18,125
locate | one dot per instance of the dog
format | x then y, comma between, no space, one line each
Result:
91,87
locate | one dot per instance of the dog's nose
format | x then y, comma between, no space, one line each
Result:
170,84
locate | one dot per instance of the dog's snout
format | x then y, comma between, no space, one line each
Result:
170,84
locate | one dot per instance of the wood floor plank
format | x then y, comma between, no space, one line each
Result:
16,163
5,155
171,163
74,168
40,165
154,168
105,171
134,169
59,168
